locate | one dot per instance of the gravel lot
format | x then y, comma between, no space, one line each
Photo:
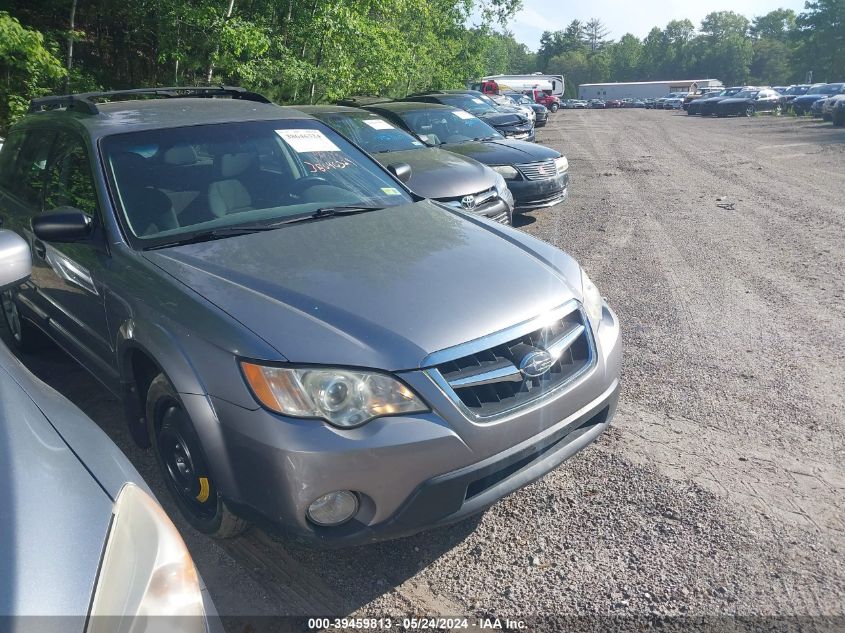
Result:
720,490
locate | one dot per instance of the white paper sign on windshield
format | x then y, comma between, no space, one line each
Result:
461,114
378,124
477,100
307,141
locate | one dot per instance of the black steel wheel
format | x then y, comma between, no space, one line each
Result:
183,464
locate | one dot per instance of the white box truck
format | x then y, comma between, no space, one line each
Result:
553,84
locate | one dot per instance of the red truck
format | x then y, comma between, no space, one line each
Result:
543,97
541,88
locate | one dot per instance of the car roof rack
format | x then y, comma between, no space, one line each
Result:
86,102
357,101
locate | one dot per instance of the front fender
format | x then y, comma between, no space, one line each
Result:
196,368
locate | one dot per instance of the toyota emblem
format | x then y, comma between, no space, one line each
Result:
468,202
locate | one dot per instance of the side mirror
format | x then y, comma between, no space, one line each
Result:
64,224
402,171
15,259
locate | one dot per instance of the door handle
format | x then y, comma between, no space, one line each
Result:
40,249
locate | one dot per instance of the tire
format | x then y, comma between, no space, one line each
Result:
749,110
25,336
554,107
179,455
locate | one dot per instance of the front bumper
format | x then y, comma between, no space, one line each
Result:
411,472
518,132
539,194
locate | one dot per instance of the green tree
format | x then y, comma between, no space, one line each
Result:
775,25
28,68
820,36
625,58
595,34
724,48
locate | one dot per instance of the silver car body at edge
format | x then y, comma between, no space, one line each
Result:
60,476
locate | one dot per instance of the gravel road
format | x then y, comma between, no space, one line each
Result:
720,489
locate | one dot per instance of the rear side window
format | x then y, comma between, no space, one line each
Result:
25,179
69,180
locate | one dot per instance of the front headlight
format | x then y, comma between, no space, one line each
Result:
591,301
146,571
561,164
507,172
343,397
503,191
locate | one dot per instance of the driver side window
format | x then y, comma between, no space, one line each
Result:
69,179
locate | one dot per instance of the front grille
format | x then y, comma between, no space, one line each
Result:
538,171
489,382
479,199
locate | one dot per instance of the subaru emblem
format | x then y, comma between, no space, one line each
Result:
536,363
468,202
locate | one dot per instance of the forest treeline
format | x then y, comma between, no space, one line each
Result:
779,48
320,50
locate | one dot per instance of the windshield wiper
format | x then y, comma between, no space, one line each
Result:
217,234
327,212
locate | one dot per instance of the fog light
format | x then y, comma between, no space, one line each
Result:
334,508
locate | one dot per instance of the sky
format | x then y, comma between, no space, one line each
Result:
628,16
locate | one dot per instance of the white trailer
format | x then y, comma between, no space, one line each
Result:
643,89
538,81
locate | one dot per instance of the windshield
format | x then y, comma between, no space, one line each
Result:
796,90
830,89
746,94
371,132
440,127
171,183
468,103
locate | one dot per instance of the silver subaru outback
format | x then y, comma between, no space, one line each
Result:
298,338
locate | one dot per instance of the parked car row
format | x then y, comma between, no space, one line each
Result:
820,100
297,337
460,122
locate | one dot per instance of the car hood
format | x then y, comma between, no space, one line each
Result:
711,100
381,289
501,119
503,151
436,173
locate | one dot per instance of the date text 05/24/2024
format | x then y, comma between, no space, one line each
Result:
414,624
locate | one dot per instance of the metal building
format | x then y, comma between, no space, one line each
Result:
643,89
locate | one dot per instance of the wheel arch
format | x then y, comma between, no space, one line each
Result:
143,353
